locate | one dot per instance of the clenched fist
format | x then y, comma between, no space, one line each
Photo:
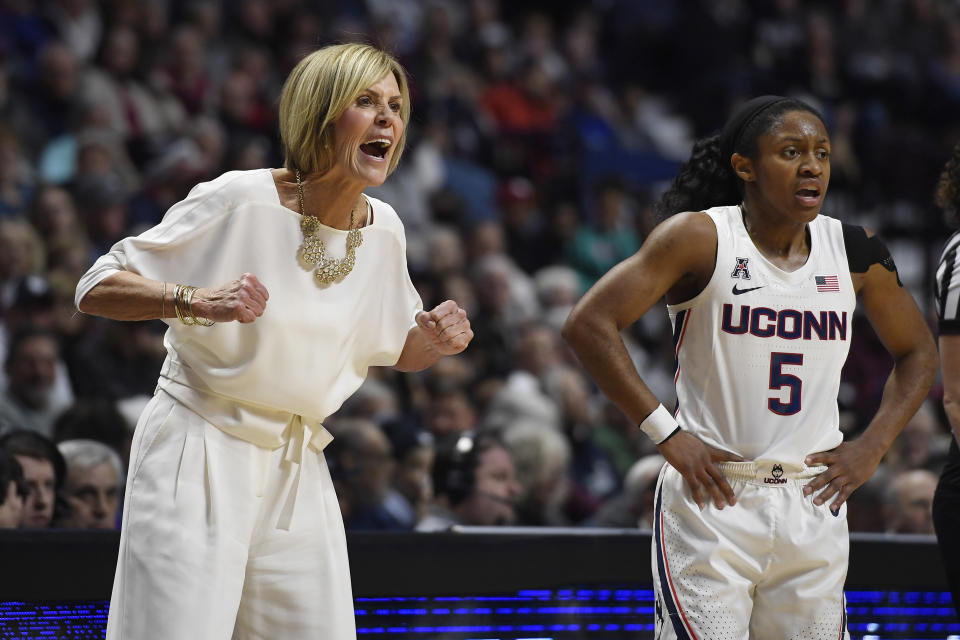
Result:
243,300
446,328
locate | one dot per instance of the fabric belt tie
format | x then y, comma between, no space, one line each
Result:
299,436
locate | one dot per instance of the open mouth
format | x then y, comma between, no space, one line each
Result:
809,195
376,148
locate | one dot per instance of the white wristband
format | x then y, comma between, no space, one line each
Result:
659,425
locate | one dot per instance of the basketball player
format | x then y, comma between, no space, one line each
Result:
761,291
946,501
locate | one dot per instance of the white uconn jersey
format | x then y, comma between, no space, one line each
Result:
760,350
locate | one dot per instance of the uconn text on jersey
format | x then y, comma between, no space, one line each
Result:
788,324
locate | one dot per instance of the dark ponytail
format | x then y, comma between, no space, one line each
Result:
704,181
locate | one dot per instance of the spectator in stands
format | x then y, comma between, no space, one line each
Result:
13,490
530,241
15,105
54,216
445,252
361,465
183,73
524,107
243,112
78,23
43,473
908,502
450,411
21,254
34,309
509,405
140,115
16,179
29,401
92,487
537,353
596,248
457,286
592,473
921,445
96,419
541,455
54,97
865,510
32,306
474,484
558,289
374,400
506,300
524,396
102,198
414,452
633,508
496,318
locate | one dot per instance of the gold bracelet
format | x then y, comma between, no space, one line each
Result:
182,299
203,322
178,303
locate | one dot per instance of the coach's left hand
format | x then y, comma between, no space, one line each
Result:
446,328
848,466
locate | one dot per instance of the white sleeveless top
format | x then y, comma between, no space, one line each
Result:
760,350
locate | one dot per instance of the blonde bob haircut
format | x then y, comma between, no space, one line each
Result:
319,90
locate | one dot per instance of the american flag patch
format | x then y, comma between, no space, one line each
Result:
827,283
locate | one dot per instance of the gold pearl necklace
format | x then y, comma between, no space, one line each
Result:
313,251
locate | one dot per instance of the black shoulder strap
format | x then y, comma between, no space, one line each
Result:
864,251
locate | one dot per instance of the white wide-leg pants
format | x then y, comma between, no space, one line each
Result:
224,539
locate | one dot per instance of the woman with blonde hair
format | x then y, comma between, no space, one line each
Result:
231,527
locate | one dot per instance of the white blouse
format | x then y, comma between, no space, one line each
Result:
311,348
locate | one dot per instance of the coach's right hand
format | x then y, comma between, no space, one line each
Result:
243,300
696,462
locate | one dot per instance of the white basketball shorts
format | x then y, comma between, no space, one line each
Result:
770,567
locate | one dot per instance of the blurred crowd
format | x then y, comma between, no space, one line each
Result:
542,134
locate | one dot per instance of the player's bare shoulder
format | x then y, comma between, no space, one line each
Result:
687,241
688,231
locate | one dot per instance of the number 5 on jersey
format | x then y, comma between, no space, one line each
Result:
779,380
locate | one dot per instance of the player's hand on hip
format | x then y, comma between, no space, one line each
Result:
243,300
848,466
697,463
446,328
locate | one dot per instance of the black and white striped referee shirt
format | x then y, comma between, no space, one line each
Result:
947,287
